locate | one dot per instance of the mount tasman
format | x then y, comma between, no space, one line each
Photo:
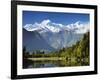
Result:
49,36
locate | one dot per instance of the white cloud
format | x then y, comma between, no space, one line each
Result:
83,28
80,27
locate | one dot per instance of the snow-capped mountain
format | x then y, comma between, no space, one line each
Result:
54,35
47,25
44,26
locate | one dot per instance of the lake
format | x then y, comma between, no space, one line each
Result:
37,63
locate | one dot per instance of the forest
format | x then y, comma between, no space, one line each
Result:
76,55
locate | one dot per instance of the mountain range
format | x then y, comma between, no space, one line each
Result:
49,36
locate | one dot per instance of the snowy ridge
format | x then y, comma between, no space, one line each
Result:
48,26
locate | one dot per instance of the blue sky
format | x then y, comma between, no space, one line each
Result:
30,17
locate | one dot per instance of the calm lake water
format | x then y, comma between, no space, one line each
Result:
53,63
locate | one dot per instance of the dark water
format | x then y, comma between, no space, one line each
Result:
54,63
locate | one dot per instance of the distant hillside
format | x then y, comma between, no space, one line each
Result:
81,47
33,41
79,52
76,55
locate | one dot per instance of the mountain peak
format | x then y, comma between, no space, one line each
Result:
49,26
45,22
44,26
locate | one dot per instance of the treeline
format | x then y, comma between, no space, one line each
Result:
39,53
80,49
